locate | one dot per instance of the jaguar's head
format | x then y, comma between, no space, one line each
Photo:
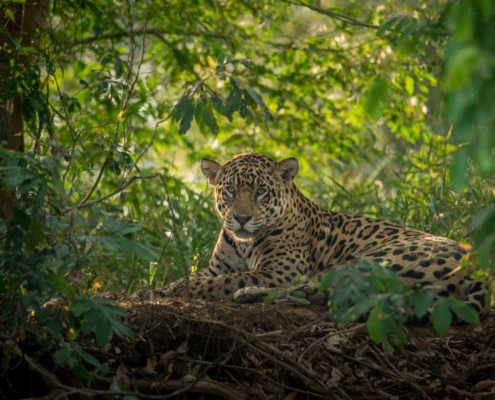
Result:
253,193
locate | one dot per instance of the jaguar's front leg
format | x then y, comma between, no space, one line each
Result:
239,286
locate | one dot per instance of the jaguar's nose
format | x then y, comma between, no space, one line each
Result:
242,219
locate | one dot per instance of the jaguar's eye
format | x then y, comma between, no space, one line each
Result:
230,190
260,191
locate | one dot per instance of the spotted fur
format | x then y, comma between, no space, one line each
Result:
272,235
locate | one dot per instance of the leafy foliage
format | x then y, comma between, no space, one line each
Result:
387,106
373,292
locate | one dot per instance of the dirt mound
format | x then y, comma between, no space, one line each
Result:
289,351
284,351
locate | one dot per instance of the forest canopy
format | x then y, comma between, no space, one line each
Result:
106,108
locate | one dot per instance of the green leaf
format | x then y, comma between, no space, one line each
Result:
402,24
35,235
375,324
55,331
258,99
63,355
357,311
441,316
421,301
102,318
89,358
376,97
152,272
387,26
325,282
111,310
458,170
80,305
91,320
184,113
104,332
462,20
185,122
486,7
409,85
481,152
255,96
143,251
61,284
233,102
271,297
208,118
243,109
462,67
464,311
9,14
298,297
483,224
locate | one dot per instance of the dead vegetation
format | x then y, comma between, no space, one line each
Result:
281,351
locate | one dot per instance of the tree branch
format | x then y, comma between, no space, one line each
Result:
159,33
341,17
121,187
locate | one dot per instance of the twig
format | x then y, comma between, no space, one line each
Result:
200,386
147,31
177,386
152,139
254,370
306,372
254,342
50,379
288,363
134,80
406,380
174,225
328,335
113,193
332,14
124,107
100,173
55,395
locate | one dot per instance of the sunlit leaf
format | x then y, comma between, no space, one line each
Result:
375,99
409,85
9,14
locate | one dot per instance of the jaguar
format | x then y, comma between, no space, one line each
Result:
272,235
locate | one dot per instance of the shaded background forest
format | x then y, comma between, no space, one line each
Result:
107,107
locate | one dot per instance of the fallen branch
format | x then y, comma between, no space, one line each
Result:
200,386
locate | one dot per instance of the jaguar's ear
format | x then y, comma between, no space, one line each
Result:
210,169
288,168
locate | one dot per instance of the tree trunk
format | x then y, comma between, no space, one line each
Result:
22,23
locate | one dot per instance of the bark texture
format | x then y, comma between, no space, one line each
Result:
23,24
